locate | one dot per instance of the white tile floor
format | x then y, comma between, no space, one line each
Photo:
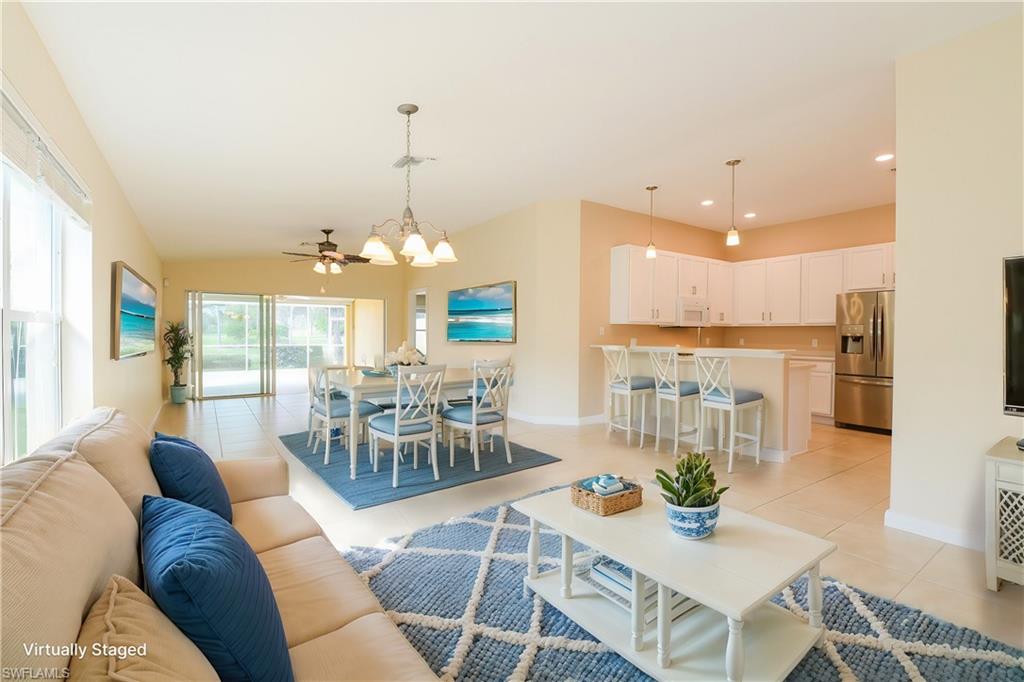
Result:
837,490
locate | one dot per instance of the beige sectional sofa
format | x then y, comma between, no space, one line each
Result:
69,521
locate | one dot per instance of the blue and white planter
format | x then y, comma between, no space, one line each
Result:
692,523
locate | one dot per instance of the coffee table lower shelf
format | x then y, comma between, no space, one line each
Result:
774,640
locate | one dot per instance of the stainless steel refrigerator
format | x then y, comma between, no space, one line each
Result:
865,331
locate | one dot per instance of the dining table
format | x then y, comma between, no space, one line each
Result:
357,386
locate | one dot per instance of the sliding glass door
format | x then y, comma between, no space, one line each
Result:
308,331
233,344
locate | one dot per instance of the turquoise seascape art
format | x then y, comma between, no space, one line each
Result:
485,314
136,316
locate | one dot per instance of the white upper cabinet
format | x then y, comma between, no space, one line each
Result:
643,291
720,299
782,290
693,278
750,295
665,288
822,281
869,267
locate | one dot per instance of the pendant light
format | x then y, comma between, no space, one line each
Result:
732,238
651,252
407,231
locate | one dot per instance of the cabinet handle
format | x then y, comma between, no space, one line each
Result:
769,317
883,278
762,316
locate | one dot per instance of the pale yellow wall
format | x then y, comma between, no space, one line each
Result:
368,343
537,246
132,384
278,276
959,212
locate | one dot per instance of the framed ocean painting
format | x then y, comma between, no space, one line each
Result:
133,313
484,314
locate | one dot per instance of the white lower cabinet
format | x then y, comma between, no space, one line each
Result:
821,393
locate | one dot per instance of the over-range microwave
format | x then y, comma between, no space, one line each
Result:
690,313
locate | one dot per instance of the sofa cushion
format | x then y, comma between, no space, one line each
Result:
116,447
186,473
316,590
271,522
63,531
124,617
210,584
368,648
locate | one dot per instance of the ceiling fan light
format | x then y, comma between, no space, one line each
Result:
415,245
373,248
335,269
423,260
320,268
443,251
732,238
387,259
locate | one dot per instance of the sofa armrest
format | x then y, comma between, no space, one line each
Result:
251,479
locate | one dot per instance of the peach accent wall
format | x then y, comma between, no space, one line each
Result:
873,225
602,227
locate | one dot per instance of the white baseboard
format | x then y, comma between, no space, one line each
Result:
936,531
556,421
821,419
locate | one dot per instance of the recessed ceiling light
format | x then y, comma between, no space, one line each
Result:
885,157
707,202
750,215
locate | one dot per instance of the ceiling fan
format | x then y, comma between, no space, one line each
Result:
328,258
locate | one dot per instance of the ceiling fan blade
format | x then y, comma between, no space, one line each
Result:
333,254
351,258
306,255
302,260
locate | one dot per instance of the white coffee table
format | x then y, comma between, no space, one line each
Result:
733,574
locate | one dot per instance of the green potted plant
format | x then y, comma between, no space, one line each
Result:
178,342
690,496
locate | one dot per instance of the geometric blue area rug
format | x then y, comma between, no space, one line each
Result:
456,592
370,489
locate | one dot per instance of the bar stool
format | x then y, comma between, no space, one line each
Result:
717,393
623,383
678,393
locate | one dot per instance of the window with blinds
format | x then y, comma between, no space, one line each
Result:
43,207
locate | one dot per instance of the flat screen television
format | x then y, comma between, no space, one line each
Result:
1013,301
133,314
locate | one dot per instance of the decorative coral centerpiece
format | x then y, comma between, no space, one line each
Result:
404,356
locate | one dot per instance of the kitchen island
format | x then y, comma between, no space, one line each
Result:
784,382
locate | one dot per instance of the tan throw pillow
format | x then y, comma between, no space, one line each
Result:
127,637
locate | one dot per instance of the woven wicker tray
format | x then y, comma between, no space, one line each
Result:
606,505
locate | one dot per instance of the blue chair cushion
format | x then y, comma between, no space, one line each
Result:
186,473
386,423
341,408
208,581
685,388
742,395
464,414
636,383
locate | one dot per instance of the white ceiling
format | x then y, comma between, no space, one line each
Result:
241,129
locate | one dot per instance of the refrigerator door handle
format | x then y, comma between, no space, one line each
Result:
871,331
880,337
869,381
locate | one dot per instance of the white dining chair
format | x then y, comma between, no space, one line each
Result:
329,410
486,411
714,377
414,420
622,383
679,393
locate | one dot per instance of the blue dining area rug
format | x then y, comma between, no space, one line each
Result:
370,489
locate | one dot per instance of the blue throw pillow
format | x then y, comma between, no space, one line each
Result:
186,473
207,580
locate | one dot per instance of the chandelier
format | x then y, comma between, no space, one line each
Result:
407,230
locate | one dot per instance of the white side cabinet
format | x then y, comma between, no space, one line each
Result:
870,267
643,290
1004,514
720,292
822,384
822,281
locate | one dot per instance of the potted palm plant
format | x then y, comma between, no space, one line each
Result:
178,342
691,500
